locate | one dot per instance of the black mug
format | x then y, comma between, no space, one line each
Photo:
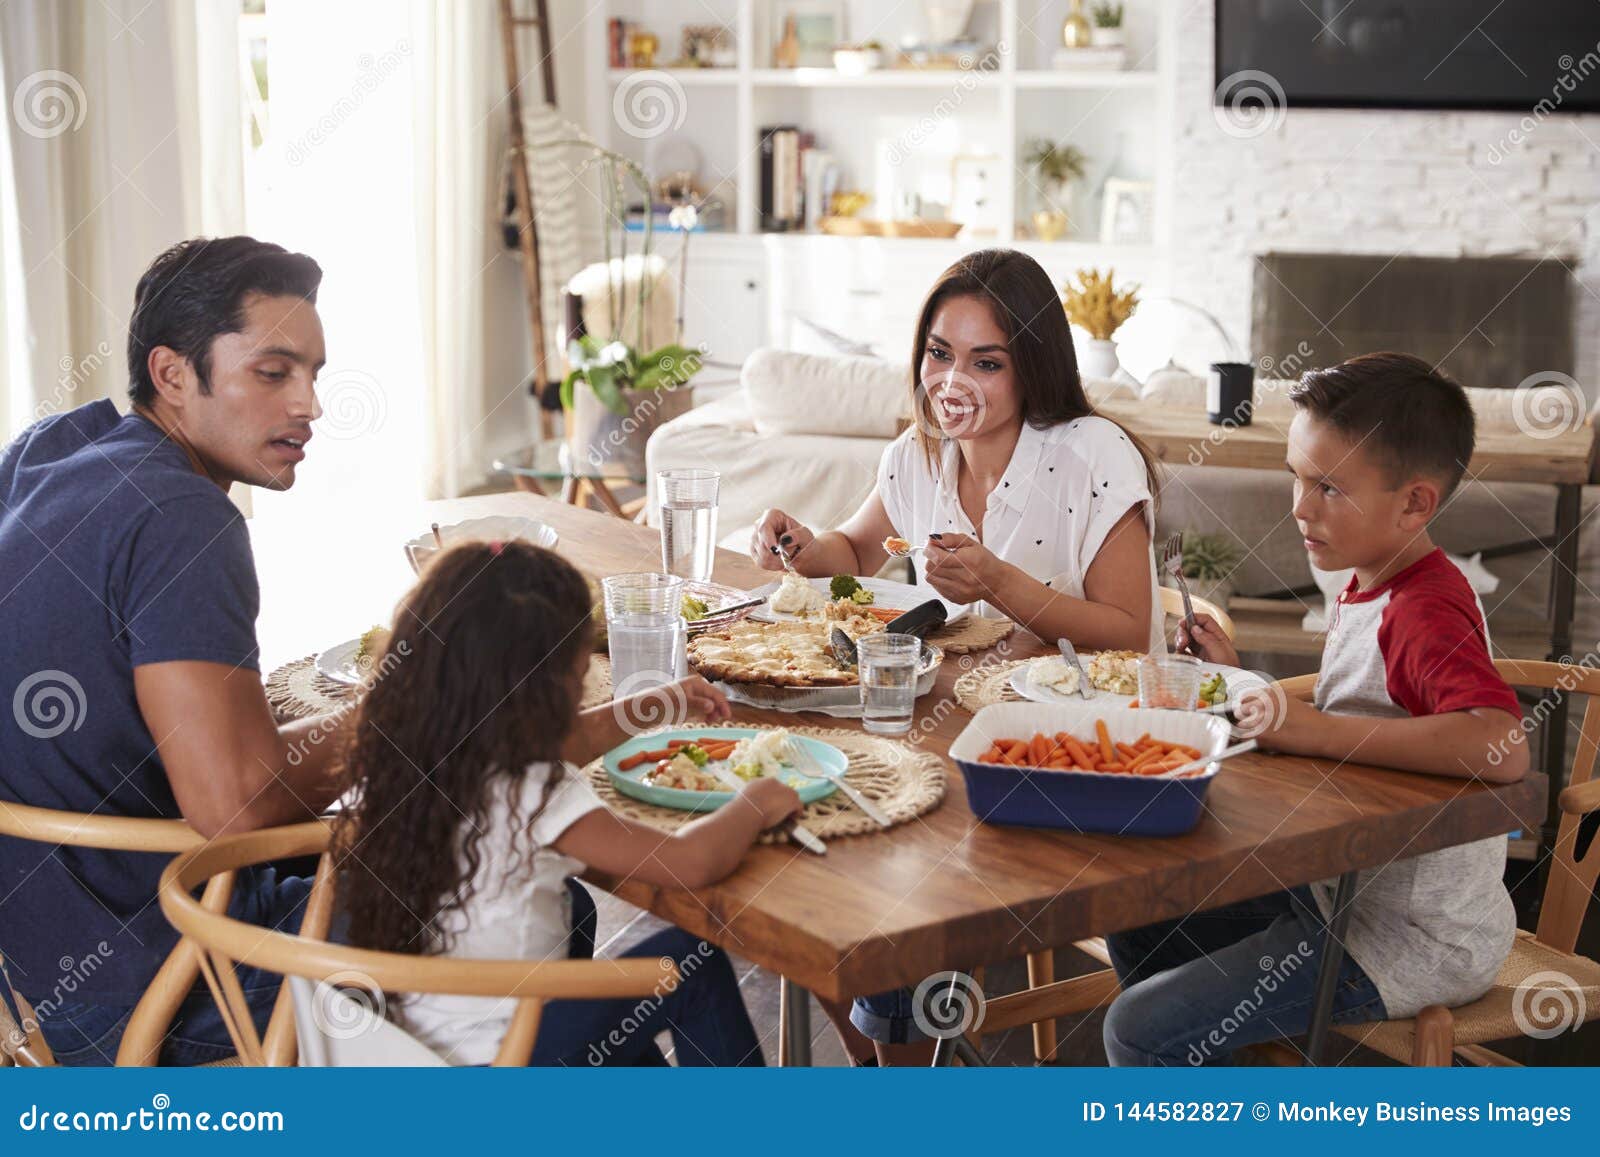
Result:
1230,392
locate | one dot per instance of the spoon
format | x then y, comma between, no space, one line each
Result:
900,548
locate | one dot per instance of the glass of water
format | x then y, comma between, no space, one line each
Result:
644,630
688,522
888,666
1168,680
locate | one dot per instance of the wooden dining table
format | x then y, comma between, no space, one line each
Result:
945,891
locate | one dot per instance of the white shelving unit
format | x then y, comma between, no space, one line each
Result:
1123,120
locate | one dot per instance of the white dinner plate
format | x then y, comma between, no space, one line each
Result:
338,662
885,592
1238,679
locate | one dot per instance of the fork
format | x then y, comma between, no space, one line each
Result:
1172,563
794,754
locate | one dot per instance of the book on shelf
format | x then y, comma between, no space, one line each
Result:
782,203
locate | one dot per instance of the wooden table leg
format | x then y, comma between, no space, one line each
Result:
794,1025
1042,971
1328,971
570,487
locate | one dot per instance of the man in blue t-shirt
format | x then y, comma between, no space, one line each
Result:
128,602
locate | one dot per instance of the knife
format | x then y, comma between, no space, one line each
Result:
802,835
1071,656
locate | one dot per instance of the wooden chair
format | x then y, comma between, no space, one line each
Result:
1543,973
141,1042
1081,993
223,942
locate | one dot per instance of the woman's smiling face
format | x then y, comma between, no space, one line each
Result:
967,371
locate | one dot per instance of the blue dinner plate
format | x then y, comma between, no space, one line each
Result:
810,788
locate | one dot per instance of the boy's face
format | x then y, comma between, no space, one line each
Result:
1346,505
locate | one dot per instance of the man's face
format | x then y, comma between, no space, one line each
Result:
254,425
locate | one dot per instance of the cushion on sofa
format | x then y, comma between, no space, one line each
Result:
850,397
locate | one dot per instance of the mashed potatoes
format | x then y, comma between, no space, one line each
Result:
795,596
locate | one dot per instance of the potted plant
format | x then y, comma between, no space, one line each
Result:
1096,305
1058,166
1209,561
1107,30
617,391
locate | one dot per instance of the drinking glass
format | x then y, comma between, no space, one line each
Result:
644,630
688,521
1167,680
888,666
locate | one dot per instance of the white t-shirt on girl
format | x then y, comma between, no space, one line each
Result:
519,909
1064,489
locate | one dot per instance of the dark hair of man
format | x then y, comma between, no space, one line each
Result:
197,290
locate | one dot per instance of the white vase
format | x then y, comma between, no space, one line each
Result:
1105,37
1100,361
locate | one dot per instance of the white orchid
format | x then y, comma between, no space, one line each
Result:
613,353
684,217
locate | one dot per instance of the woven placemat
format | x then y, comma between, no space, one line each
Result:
990,683
903,780
297,689
973,633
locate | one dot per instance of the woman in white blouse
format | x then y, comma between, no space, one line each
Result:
1030,505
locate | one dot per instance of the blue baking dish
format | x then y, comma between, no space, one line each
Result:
1087,801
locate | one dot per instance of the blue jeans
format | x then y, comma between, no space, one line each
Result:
88,1034
705,1013
886,1017
1197,988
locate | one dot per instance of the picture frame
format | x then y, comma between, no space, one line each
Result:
1127,212
975,193
819,26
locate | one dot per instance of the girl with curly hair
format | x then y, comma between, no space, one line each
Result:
470,818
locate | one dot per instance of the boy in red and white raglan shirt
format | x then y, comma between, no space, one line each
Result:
1377,445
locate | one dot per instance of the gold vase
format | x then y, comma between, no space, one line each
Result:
1049,224
1075,30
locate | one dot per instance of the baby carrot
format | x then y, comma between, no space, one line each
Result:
1106,754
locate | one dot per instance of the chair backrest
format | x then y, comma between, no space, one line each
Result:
337,1031
1575,859
1172,604
224,942
152,1016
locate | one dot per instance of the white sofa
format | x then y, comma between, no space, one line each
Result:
804,432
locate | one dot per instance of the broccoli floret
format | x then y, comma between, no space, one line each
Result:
695,752
693,609
862,597
843,586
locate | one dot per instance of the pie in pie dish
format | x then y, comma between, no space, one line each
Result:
783,654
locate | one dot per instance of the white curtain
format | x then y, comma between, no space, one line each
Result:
107,156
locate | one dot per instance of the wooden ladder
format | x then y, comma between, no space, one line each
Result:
511,23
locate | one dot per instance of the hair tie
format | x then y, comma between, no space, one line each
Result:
496,547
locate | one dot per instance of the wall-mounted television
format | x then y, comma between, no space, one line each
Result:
1462,54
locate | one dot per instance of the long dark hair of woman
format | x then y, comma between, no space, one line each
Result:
479,677
1028,309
